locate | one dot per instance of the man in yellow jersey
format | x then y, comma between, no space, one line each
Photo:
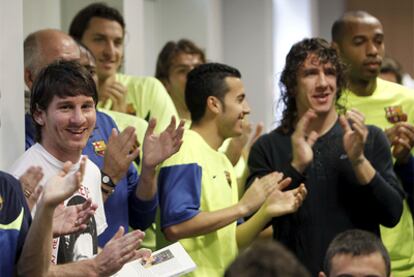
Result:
198,194
102,29
359,39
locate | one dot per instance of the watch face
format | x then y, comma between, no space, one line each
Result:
105,179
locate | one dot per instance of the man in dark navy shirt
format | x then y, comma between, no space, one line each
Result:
345,165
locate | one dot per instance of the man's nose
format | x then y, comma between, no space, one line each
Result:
109,49
372,49
78,116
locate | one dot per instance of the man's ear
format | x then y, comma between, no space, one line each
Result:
28,78
335,46
214,104
321,274
38,117
166,84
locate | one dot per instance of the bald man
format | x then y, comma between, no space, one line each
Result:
359,39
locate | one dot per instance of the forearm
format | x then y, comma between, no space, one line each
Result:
364,171
80,268
36,253
205,222
249,230
388,200
235,150
147,186
141,214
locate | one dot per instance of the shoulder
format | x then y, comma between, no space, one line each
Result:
138,81
390,87
30,157
376,135
10,190
270,139
8,182
104,121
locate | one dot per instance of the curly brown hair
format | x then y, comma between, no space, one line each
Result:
288,80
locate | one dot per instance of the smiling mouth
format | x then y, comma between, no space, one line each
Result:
321,98
77,131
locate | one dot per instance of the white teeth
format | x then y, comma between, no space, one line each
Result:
76,131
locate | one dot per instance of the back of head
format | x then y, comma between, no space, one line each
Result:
356,243
204,81
266,259
390,65
83,17
338,27
294,60
170,50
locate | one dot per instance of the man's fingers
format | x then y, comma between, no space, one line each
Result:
355,115
344,123
304,122
284,183
118,233
66,167
257,133
151,126
114,134
360,130
312,138
143,253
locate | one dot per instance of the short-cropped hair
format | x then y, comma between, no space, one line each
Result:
204,81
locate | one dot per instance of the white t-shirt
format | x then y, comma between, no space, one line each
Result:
81,245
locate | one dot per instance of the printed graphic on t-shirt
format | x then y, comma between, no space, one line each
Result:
81,245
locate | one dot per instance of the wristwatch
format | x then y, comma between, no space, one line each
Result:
105,179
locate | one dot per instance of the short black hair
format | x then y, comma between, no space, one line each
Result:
81,20
356,243
61,79
170,50
338,27
288,80
266,259
204,81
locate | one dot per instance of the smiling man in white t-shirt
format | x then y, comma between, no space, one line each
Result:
62,105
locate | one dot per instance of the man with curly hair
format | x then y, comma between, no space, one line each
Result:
345,164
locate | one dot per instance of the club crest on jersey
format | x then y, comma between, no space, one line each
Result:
228,177
1,202
99,147
395,114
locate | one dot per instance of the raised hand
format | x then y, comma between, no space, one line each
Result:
120,152
302,141
258,130
256,194
241,145
280,202
157,148
120,250
115,91
59,187
401,137
354,138
30,185
72,219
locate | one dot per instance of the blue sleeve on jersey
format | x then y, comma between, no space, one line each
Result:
179,193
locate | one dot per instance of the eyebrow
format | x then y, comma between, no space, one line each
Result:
97,34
